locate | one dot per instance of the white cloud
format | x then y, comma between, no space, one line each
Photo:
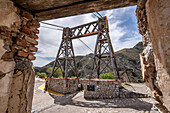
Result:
50,39
40,61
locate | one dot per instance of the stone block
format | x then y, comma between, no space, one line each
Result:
33,28
27,15
31,40
8,56
26,31
36,31
22,53
36,37
29,24
4,31
25,50
31,57
24,21
14,34
21,43
36,23
33,48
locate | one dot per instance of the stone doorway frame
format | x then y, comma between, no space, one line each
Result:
18,29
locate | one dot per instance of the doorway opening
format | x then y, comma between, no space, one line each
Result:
118,31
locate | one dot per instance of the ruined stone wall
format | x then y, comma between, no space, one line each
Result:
8,16
100,89
63,85
93,88
107,89
153,23
18,31
146,57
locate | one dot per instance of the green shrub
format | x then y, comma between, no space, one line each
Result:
57,73
38,74
60,76
139,80
43,75
107,76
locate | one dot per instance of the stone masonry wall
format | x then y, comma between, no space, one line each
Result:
63,85
155,59
103,89
146,57
158,13
8,16
93,88
18,31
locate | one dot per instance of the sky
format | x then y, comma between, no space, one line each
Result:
123,32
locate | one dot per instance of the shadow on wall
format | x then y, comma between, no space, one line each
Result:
133,103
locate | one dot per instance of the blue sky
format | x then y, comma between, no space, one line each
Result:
122,26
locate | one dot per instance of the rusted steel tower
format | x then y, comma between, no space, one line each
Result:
103,53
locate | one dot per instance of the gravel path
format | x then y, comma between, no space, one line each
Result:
46,103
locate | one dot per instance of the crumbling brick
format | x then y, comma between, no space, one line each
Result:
26,31
33,48
13,49
36,23
22,53
31,40
31,57
36,31
27,15
36,37
21,43
29,25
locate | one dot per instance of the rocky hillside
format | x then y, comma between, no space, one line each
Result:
126,58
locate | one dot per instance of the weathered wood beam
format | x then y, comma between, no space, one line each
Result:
82,8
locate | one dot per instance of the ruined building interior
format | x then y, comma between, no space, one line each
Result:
19,23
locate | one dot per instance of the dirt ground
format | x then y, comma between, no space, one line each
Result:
75,103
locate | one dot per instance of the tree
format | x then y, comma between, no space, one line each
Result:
57,73
107,76
38,73
42,75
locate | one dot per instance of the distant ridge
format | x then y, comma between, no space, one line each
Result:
125,58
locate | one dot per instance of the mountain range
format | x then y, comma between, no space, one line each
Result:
127,58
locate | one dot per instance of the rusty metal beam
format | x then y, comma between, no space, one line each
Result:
84,35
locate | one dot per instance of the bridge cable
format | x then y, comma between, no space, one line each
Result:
52,24
86,45
52,28
95,15
99,14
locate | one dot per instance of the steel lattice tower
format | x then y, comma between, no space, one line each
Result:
103,54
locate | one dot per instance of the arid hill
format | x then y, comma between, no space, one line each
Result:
127,58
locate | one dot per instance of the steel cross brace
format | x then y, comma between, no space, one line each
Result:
103,54
65,59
